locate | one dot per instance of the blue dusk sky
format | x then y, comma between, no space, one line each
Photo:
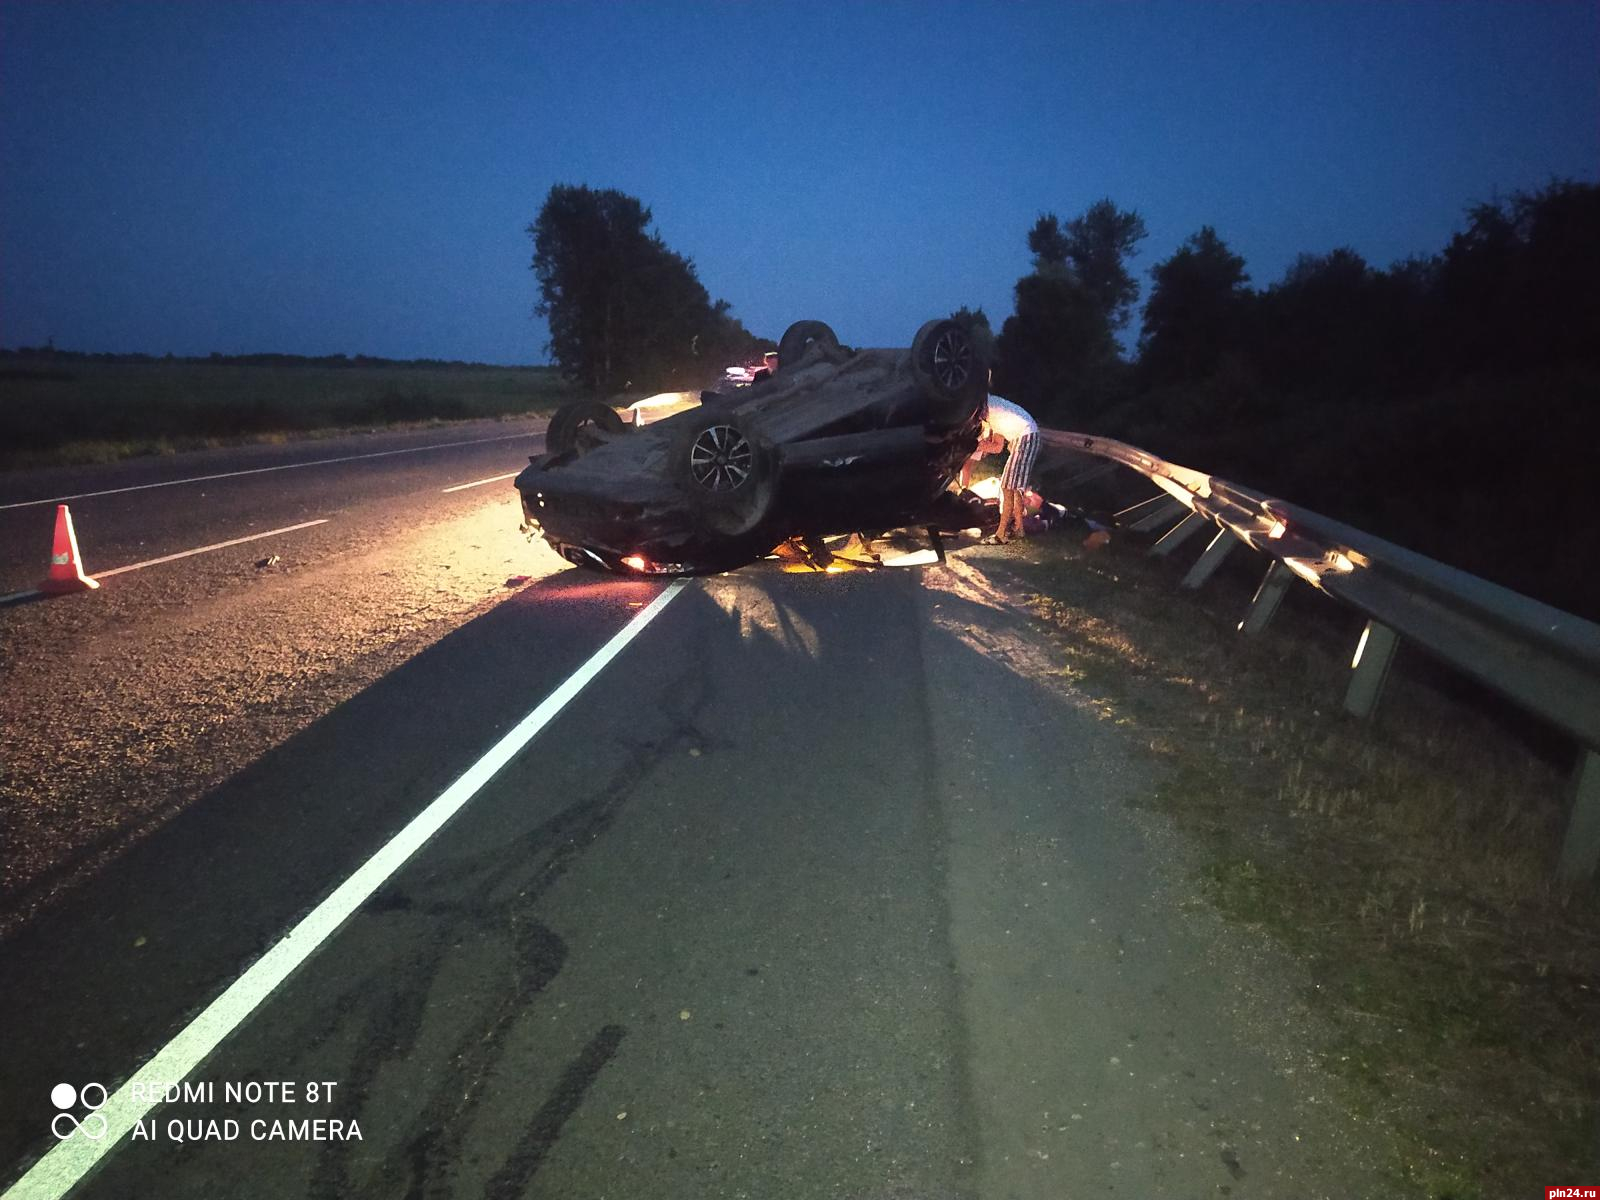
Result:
322,178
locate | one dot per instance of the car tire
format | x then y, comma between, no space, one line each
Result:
798,339
727,471
582,426
949,367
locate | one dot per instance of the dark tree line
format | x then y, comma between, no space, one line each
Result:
1509,293
624,310
1512,291
1450,401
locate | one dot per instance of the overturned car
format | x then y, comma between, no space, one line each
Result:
836,441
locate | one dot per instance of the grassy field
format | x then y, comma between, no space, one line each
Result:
97,412
1407,862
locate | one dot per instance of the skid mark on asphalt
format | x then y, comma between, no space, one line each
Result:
545,1129
65,1164
474,912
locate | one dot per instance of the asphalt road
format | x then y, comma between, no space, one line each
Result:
824,886
146,508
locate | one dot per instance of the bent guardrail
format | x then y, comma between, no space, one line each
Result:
1543,659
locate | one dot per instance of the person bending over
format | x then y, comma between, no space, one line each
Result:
1007,426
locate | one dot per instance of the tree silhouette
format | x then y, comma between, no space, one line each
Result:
1057,355
1517,285
1098,245
1196,311
624,309
976,323
1047,244
1053,353
1321,328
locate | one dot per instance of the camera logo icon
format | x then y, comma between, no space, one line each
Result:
66,1098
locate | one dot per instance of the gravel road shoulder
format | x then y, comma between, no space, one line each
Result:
115,722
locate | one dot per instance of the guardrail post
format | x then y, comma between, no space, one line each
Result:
1370,668
1160,515
1268,596
1210,559
1125,515
1580,852
1179,534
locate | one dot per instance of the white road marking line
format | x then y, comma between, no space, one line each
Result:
65,1163
151,562
254,537
460,487
320,462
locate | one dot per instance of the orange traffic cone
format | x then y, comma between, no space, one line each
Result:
66,570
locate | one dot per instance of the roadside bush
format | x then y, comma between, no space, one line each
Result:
1486,475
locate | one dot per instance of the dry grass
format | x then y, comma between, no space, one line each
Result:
1408,861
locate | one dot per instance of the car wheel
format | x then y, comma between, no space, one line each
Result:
948,365
582,426
800,337
727,471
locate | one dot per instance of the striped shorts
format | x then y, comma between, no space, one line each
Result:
1019,466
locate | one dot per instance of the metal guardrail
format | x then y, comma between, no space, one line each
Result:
1543,659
